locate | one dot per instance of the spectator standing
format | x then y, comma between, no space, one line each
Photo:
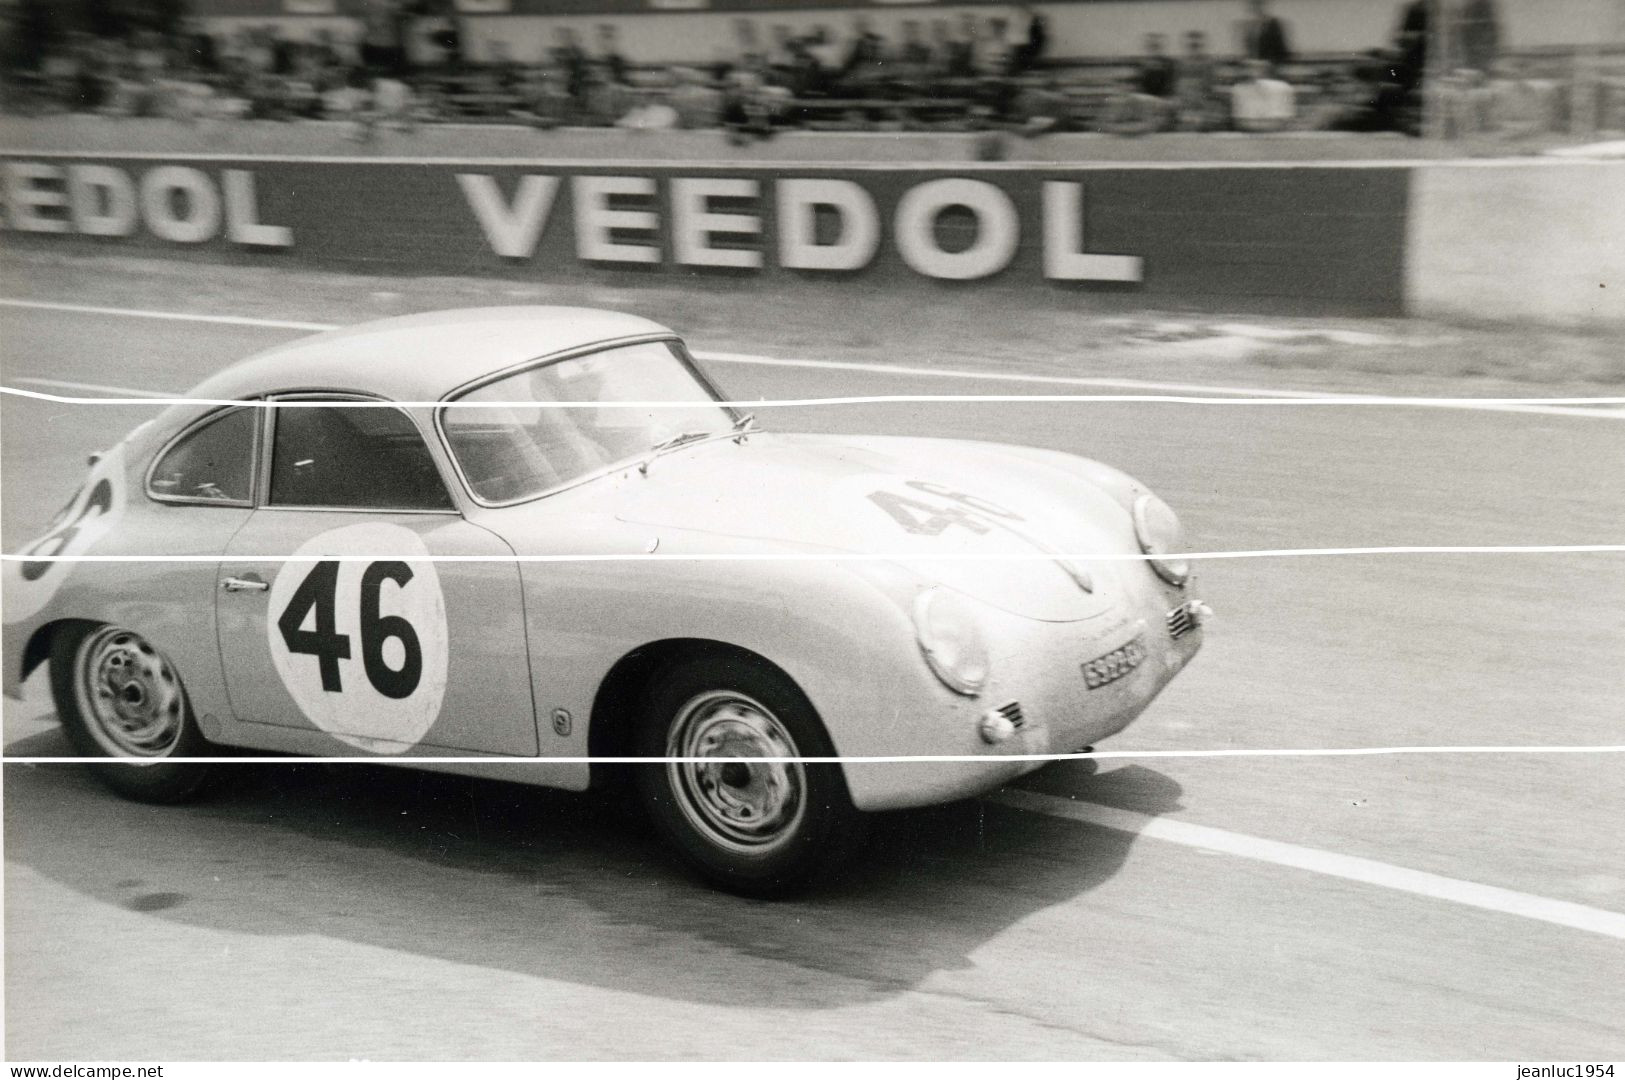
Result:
570,61
747,50
802,75
824,50
914,51
914,65
60,69
994,49
1261,102
1478,35
942,46
383,40
751,106
864,66
1145,104
1411,41
1265,36
506,75
1155,72
1194,82
198,48
1410,68
697,104
282,51
258,55
962,49
609,55
1034,42
781,53
996,61
1041,106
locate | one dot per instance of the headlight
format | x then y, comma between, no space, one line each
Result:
951,640
1160,533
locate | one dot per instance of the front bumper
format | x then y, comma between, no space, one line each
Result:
1038,674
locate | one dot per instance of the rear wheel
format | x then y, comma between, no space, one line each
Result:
119,697
760,828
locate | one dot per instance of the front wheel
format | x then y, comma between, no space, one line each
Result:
761,828
119,697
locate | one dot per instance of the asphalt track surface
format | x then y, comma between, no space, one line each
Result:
367,912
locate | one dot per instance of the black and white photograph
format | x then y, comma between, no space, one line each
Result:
924,531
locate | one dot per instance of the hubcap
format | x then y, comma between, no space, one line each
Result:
747,806
128,694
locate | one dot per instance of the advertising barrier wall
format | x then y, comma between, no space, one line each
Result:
1327,239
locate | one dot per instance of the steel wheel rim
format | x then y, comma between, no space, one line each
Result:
129,695
743,807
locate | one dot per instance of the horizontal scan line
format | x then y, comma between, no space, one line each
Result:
400,757
1196,393
851,556
1599,407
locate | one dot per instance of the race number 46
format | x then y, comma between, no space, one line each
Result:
931,519
361,644
317,597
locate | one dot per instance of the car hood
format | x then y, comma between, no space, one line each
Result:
913,500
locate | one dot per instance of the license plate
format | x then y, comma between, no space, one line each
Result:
1114,665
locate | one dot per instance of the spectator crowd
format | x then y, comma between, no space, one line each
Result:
988,70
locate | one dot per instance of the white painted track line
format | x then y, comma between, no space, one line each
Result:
1349,867
173,316
96,388
1605,408
1592,408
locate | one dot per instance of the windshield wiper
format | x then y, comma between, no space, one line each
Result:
672,443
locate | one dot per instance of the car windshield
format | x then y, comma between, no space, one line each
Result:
515,450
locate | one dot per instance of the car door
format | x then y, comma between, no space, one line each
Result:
333,613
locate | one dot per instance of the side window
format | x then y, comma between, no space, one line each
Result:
356,458
211,463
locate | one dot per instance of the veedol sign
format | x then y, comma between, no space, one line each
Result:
185,205
178,204
1331,237
514,227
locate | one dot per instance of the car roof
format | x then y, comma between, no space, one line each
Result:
422,357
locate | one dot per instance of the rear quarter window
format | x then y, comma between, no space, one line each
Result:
212,462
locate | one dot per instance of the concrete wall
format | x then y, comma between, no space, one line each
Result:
337,138
1539,241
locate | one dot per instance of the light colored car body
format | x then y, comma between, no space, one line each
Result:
533,647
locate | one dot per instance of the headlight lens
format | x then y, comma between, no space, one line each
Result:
1160,533
951,639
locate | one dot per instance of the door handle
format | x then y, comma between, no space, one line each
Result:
243,584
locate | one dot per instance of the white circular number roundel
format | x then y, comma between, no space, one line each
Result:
92,512
362,644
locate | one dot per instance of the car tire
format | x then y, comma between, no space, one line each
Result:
118,696
764,831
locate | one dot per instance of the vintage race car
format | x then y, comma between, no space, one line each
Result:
560,546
